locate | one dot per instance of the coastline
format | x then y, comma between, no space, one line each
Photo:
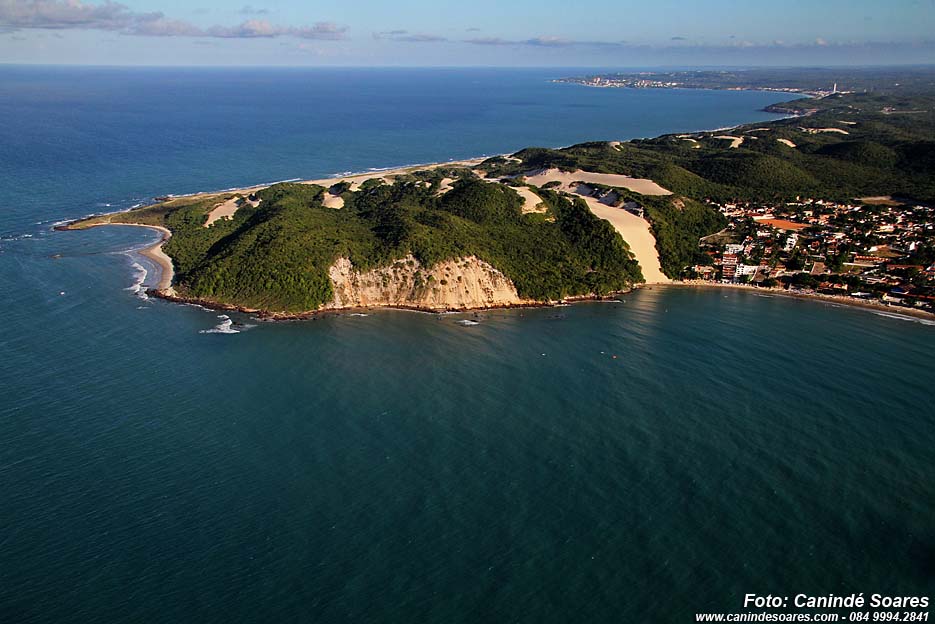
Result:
351,177
164,290
153,252
816,297
266,315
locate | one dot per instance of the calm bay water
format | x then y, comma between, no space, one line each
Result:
400,467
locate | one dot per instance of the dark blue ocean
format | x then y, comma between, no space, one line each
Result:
637,461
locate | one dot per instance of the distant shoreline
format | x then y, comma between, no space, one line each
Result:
781,292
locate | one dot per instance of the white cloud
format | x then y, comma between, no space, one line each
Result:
116,17
405,35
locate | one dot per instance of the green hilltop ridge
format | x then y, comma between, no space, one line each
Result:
275,255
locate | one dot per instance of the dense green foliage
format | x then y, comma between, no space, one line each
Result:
276,256
885,147
678,226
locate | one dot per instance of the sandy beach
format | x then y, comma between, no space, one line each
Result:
154,253
157,255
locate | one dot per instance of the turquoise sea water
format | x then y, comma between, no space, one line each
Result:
637,461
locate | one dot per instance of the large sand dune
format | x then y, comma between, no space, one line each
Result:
635,231
566,178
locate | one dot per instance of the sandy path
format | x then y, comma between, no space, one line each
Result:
638,185
786,142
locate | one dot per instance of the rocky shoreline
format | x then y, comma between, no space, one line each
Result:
266,315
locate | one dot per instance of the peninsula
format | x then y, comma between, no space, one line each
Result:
835,202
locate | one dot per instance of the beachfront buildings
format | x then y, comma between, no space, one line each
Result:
879,248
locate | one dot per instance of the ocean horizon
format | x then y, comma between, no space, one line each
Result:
640,459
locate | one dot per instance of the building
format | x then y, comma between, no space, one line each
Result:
729,265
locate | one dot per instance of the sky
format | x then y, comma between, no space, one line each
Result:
548,33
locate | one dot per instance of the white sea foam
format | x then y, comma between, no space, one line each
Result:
139,276
467,322
902,317
358,314
224,327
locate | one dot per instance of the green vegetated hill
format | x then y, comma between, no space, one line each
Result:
877,145
276,256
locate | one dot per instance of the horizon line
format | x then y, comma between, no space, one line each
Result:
355,66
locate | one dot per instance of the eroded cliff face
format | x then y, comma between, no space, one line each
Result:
453,285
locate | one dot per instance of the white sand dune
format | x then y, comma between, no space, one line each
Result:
635,231
735,142
817,130
332,201
638,185
224,210
786,142
531,201
444,186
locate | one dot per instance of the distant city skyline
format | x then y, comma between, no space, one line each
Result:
592,33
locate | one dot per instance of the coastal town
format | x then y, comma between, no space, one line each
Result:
696,80
873,249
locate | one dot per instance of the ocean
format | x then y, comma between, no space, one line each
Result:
633,461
